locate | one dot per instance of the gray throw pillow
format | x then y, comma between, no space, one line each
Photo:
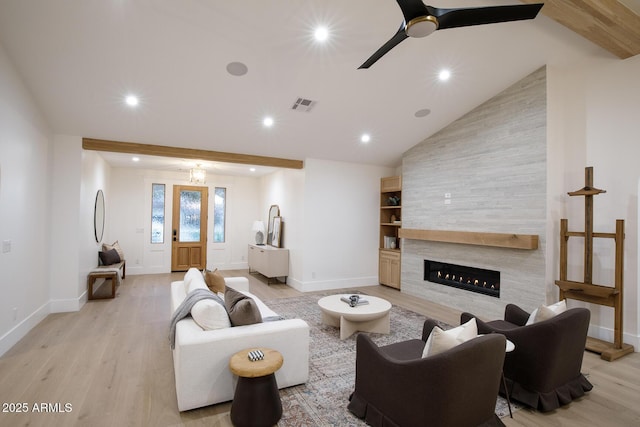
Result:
109,257
242,309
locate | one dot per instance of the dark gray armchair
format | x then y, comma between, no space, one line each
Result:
543,371
396,387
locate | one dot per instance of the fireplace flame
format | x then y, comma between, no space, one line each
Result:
468,280
472,279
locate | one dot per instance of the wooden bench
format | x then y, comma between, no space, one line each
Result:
107,272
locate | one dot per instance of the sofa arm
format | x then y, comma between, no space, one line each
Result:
201,358
237,283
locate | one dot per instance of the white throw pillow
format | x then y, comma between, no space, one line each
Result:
538,315
209,315
192,273
197,282
440,340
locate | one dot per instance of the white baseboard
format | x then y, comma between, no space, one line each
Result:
18,332
135,270
607,334
67,305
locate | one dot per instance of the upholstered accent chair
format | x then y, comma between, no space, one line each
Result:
396,387
543,371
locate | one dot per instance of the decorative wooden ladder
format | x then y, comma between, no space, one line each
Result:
586,290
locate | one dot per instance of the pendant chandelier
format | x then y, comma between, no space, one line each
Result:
197,175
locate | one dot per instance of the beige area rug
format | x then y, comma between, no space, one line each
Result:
323,400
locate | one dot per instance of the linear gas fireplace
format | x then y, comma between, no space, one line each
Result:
472,279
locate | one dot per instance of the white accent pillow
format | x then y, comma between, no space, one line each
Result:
192,273
440,340
209,315
547,312
197,282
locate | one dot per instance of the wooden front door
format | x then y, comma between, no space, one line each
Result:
189,231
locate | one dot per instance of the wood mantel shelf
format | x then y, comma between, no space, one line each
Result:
500,240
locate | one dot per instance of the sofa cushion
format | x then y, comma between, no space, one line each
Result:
210,315
440,340
242,309
109,257
547,312
215,281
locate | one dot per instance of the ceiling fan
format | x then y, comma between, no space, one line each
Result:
421,20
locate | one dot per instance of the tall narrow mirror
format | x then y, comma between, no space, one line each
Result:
274,211
98,216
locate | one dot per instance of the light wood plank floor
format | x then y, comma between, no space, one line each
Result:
111,362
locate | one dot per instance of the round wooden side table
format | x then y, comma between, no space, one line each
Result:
256,401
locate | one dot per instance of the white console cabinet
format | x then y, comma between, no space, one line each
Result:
269,261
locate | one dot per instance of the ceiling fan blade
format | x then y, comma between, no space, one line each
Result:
466,17
412,9
393,42
419,20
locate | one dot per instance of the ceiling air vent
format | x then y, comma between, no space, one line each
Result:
304,105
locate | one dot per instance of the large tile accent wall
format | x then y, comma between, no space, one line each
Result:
492,162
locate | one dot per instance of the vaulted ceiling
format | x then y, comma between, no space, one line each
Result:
612,25
81,58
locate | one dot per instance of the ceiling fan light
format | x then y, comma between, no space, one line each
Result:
421,26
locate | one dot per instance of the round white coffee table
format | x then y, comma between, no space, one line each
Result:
371,317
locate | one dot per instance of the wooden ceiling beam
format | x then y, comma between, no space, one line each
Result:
607,23
188,153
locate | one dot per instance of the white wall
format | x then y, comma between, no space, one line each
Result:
25,141
130,219
285,188
341,225
77,175
593,121
95,176
65,217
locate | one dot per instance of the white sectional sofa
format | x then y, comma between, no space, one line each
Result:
201,357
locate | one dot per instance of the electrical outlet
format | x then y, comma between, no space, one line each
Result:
6,246
447,201
447,195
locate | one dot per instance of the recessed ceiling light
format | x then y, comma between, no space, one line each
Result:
422,113
321,34
135,159
237,68
131,100
365,138
444,75
252,169
267,122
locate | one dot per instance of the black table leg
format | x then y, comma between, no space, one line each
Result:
506,393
